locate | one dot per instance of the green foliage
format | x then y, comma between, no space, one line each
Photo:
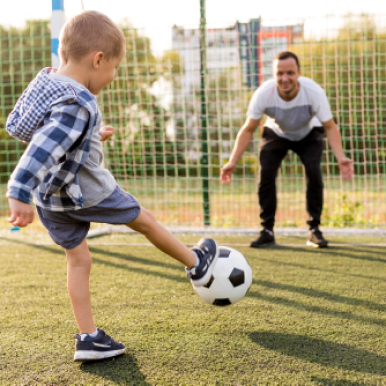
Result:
351,68
157,139
140,146
226,100
171,63
347,212
23,52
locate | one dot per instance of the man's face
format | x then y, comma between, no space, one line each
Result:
286,74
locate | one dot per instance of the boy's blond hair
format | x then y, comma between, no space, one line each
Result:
90,31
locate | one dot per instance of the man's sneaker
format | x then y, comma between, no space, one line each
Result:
316,239
265,239
207,251
102,346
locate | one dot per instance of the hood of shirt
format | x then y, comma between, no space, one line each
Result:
31,108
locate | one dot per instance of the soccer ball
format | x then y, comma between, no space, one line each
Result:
230,281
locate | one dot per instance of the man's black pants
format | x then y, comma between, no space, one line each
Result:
272,151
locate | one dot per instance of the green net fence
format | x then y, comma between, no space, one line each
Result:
174,131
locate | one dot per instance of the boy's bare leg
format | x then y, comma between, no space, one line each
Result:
78,273
164,240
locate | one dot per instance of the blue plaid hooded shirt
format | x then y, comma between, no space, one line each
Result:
57,119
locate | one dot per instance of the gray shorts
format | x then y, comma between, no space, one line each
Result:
70,228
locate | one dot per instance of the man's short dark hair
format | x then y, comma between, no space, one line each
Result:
287,54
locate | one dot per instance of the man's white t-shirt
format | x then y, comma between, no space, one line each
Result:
293,119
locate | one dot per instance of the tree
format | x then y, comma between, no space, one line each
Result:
25,51
141,146
351,68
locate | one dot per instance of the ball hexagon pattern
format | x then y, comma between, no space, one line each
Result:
230,281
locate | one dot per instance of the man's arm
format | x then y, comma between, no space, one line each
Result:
335,140
243,139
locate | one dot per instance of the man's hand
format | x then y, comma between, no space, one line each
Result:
243,139
346,168
22,214
226,172
335,141
106,132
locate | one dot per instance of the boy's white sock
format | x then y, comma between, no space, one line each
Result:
197,260
93,334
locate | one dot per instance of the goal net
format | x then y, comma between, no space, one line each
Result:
177,111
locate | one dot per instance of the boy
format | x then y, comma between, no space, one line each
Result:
58,115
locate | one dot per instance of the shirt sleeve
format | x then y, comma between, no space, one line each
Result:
255,110
63,126
323,110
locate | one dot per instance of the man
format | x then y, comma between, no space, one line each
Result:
298,114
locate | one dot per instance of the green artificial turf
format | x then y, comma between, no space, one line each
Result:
311,317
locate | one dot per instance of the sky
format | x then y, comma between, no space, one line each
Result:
157,16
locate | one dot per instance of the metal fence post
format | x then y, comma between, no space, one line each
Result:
204,131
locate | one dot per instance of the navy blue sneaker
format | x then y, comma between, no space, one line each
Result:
102,346
207,251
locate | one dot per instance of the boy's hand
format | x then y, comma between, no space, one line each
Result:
106,132
22,214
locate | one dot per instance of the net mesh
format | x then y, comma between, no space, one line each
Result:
163,140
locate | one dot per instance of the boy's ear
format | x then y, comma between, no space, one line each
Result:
98,57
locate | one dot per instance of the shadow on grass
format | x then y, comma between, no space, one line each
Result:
308,267
167,267
57,249
135,259
360,253
336,251
335,382
322,352
321,295
122,370
123,256
143,271
316,309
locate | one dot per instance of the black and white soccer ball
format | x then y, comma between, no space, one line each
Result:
230,281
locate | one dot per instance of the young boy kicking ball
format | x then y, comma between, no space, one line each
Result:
63,169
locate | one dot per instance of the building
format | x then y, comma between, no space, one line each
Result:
222,52
247,46
238,58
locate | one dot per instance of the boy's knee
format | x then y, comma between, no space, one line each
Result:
149,220
79,257
83,262
144,222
